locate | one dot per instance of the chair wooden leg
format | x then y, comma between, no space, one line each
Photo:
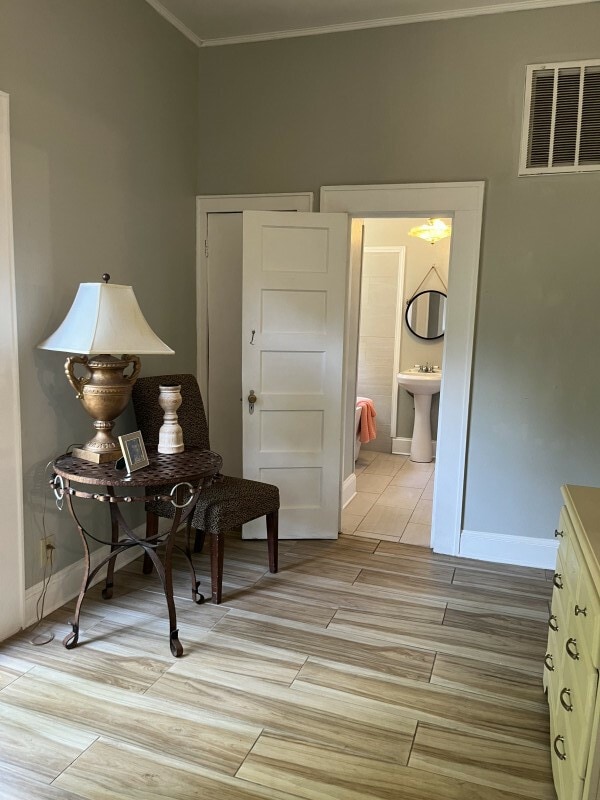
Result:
151,530
199,541
273,539
217,550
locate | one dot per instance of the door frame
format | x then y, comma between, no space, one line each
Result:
228,204
464,203
11,469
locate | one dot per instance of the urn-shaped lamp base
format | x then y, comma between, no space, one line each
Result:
104,394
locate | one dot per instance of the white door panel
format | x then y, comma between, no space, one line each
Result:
295,269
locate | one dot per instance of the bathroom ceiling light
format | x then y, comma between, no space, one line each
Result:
432,232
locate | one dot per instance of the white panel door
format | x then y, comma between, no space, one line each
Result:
295,267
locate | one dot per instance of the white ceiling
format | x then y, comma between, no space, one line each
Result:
216,22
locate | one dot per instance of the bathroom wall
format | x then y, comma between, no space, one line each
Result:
377,337
420,256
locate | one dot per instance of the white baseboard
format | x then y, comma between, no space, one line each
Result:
348,489
401,446
65,585
525,551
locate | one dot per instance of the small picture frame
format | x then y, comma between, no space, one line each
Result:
134,451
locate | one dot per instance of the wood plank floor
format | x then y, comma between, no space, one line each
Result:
364,670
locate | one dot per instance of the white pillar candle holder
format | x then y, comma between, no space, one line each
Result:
170,436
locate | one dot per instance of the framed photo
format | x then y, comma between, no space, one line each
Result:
134,451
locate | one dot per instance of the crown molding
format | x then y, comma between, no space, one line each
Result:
176,22
498,8
434,16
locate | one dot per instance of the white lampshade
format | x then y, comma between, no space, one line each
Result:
105,318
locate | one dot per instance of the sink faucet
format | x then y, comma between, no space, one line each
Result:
426,367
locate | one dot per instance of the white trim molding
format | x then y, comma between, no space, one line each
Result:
228,204
348,489
176,22
342,27
65,585
525,551
464,203
401,445
12,574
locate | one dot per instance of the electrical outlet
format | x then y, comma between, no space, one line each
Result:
47,545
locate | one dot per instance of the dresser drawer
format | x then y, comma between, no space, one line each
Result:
561,590
568,784
564,531
576,702
568,562
585,610
557,628
571,558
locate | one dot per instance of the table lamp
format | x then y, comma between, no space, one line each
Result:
104,318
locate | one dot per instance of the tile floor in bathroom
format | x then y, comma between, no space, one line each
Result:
393,499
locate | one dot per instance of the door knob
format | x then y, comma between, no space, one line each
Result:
252,398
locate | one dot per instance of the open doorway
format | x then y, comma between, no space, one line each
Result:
403,287
463,202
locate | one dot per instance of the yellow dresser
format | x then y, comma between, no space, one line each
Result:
573,654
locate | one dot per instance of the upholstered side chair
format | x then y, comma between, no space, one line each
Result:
224,505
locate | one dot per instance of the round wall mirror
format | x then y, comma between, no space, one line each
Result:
426,314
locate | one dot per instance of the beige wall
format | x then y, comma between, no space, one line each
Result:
442,101
103,101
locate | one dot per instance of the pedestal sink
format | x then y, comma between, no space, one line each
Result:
423,385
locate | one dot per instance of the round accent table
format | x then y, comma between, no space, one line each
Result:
177,478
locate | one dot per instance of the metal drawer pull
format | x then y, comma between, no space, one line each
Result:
579,611
558,533
571,647
567,705
560,753
557,580
548,662
553,622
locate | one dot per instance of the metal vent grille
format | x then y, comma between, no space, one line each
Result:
561,130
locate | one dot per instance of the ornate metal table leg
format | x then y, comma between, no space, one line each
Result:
163,569
184,511
197,597
174,643
107,592
72,638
